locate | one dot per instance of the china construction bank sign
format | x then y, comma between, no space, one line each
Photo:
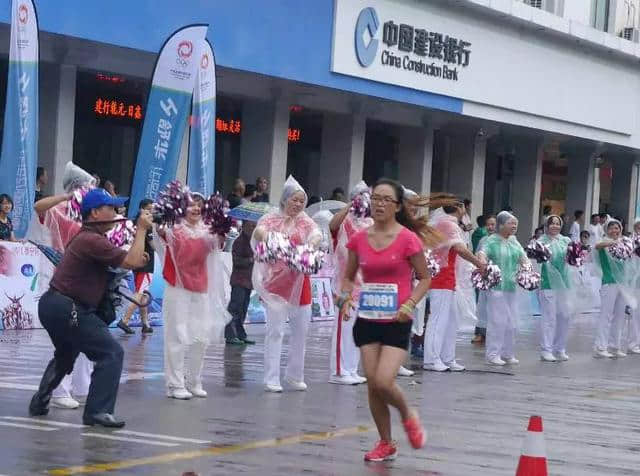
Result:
399,43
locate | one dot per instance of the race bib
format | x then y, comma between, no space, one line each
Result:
378,301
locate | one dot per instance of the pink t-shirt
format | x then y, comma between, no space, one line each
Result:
389,265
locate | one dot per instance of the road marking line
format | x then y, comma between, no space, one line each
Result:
30,427
18,386
161,437
614,393
21,377
62,424
134,440
213,451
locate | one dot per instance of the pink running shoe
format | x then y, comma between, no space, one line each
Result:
383,451
415,432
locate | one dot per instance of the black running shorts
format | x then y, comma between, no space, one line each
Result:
393,334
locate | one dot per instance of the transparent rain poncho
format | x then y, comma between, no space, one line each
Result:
276,283
623,273
194,305
349,227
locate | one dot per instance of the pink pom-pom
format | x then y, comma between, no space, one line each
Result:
483,281
576,253
622,249
215,215
171,205
74,207
538,251
277,246
636,244
361,205
122,233
527,278
432,263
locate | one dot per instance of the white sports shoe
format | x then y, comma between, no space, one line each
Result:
81,399
67,403
359,378
511,361
620,354
562,356
455,366
273,388
405,372
547,356
635,350
436,367
299,386
179,393
602,354
496,361
198,391
343,380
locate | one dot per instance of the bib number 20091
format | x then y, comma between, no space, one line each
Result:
378,301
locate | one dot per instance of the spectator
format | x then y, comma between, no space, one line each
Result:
465,222
235,197
546,211
479,232
594,229
241,286
337,194
6,227
249,192
537,234
42,178
565,226
97,179
262,185
110,187
577,224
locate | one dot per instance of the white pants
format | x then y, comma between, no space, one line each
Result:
344,355
501,324
175,354
299,317
553,324
611,319
633,339
440,340
77,383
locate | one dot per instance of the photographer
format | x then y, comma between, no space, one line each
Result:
76,312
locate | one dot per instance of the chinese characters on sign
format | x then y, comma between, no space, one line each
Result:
104,107
437,54
110,78
234,127
160,149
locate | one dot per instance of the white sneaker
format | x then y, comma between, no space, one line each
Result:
198,391
562,356
299,386
496,361
602,354
67,403
620,354
359,378
80,399
343,380
405,372
455,366
436,367
179,393
273,388
547,356
635,350
512,361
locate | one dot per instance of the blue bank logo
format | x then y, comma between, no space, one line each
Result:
366,26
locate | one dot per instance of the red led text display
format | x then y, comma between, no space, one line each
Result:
108,107
232,126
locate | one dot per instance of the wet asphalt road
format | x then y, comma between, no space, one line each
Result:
476,419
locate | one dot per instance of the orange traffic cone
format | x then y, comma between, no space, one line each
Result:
533,460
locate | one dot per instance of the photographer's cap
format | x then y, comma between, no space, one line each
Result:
99,197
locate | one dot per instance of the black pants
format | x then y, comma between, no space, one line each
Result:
238,306
91,337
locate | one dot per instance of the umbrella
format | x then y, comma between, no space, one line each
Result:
52,254
251,211
330,205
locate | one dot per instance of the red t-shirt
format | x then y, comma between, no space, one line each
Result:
389,265
446,278
191,254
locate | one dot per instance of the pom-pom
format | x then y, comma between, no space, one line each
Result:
538,251
432,263
483,281
576,253
74,207
622,249
274,248
305,259
122,233
361,205
278,247
216,215
527,278
170,206
636,244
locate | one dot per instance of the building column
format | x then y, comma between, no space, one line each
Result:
65,115
264,143
527,184
342,152
466,168
583,180
624,188
416,158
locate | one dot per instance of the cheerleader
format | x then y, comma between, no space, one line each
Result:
554,301
505,252
615,294
286,293
344,357
55,223
193,305
480,332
